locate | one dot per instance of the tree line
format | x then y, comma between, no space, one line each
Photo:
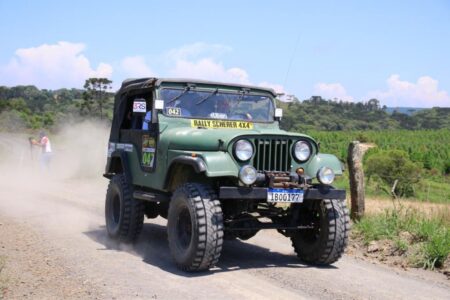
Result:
27,107
317,113
34,108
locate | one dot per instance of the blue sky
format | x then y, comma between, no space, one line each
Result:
396,51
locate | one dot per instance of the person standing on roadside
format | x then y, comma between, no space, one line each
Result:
44,143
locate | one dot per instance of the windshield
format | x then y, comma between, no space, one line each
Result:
216,104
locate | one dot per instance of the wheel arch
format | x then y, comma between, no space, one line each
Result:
183,169
117,164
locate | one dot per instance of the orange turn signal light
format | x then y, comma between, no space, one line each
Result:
300,171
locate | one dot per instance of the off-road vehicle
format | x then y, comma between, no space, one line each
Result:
211,159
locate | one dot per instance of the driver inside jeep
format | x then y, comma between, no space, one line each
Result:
217,105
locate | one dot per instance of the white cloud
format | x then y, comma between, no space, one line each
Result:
332,91
198,50
135,66
201,61
208,69
52,66
423,93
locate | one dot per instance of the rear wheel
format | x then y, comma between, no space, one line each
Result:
124,215
324,243
195,227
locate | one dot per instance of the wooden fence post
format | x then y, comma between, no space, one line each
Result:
356,175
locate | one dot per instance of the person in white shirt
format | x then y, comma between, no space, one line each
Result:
44,143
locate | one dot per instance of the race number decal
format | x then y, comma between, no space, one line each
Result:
174,111
148,151
221,124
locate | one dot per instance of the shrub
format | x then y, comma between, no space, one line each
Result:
392,165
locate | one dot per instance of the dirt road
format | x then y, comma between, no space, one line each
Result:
66,220
54,245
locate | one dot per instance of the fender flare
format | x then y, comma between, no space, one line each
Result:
118,155
196,163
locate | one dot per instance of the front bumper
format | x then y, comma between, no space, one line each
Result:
259,193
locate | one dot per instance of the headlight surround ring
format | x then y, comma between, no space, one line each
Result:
248,174
302,151
243,150
325,175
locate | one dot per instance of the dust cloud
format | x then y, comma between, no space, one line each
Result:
71,191
78,151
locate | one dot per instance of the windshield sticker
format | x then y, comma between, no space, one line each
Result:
221,124
148,151
216,115
174,111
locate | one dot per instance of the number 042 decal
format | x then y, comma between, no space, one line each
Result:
174,111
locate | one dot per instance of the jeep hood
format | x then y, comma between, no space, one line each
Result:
196,139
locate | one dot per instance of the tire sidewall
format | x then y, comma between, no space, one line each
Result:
182,201
115,189
315,248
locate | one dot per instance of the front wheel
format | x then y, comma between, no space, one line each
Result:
195,227
325,242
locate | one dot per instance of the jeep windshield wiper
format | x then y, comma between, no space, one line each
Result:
179,96
207,97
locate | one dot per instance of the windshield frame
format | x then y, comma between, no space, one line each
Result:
222,91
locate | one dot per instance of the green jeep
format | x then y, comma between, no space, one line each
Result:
211,159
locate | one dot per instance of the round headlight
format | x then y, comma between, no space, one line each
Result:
302,150
248,174
243,150
325,175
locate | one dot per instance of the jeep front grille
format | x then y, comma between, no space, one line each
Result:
273,154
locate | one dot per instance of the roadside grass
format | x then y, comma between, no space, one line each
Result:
3,279
423,239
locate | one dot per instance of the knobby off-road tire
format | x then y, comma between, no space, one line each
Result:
326,243
124,215
195,227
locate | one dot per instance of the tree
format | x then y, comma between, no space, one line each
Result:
95,93
373,104
392,165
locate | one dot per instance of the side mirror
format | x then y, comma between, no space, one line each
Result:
278,113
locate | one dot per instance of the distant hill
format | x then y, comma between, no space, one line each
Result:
404,110
317,113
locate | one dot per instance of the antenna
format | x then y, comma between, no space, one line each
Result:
292,59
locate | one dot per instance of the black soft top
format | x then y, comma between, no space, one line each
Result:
141,85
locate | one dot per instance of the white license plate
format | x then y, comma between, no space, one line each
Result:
285,195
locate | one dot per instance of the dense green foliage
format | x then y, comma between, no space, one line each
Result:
27,107
429,242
